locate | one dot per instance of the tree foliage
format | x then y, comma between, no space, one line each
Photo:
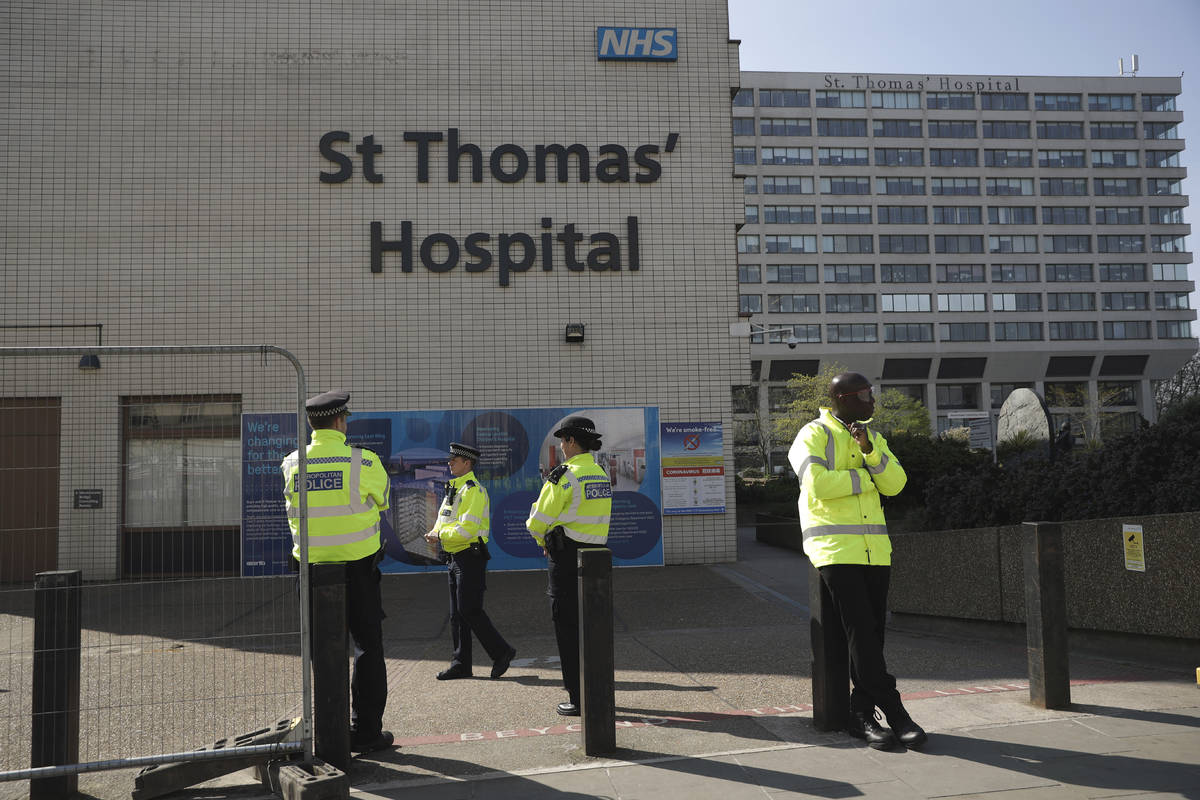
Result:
895,412
1178,388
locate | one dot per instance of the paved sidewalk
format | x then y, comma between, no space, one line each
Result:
712,701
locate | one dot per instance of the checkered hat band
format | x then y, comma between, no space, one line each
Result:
329,412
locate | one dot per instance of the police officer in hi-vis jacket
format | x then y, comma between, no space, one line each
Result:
571,512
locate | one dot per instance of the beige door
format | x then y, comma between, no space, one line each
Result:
29,432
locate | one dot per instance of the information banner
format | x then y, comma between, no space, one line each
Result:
693,468
517,450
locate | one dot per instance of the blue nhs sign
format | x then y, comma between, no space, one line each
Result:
637,44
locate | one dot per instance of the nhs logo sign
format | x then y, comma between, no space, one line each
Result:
637,44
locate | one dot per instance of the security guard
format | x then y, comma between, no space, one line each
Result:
462,531
571,512
347,488
844,467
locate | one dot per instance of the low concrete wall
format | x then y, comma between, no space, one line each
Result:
978,574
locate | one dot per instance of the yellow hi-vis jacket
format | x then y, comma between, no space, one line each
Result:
465,514
840,515
347,488
576,495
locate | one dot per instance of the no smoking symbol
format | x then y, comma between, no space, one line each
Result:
691,442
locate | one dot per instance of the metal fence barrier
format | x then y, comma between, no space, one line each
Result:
129,469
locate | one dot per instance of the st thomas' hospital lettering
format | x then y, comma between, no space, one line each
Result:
940,83
507,163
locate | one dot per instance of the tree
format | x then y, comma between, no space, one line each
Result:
895,412
1183,385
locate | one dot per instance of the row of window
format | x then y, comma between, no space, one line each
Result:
750,243
961,273
975,302
951,157
976,332
988,101
993,187
954,128
962,215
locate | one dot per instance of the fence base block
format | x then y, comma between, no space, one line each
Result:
166,778
293,780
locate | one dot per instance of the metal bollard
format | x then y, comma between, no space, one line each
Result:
330,664
56,641
1046,615
831,658
598,699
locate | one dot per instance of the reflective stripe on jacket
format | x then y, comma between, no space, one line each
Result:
466,517
347,488
578,496
840,514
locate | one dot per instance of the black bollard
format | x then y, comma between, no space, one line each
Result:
330,664
1046,615
56,640
598,699
831,658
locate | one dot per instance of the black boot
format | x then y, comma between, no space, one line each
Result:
909,733
862,725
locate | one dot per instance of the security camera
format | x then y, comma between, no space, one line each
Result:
792,341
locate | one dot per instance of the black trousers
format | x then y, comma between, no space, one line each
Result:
564,608
368,682
860,595
468,581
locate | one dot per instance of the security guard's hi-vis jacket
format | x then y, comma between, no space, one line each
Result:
576,495
347,488
840,515
465,514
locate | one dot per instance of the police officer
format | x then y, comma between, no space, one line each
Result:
347,488
462,531
571,512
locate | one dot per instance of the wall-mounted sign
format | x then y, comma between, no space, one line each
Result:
1135,551
693,468
637,44
89,498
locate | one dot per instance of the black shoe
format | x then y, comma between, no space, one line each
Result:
454,671
501,664
908,732
862,725
567,710
381,741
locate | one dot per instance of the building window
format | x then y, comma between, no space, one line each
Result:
903,243
1157,186
783,98
961,273
778,398
794,243
1011,215
747,243
791,273
749,273
1162,158
1119,215
900,185
957,215
847,244
1072,331
957,244
954,186
1066,394
1122,273
1158,102
1168,244
849,273
997,129
1121,243
1012,244
808,334
1170,272
793,304
1171,301
1064,215
744,155
957,395
907,128
1008,187
787,156
1174,329
1057,159
895,99
846,215
850,304
744,98
962,302
182,485
1118,393
750,303
847,332
1070,301
1067,244
1127,329
1060,130
1114,158
1008,158
750,214
953,157
908,273
1110,102
1114,130
790,184
907,332
1004,101
781,126
841,127
1015,273
1016,301
963,331
1071,273
1124,301
899,156
1166,215
841,99
743,126
1064,187
951,129
889,303
842,156
902,215
750,185
1128,187
1160,130
1058,102
848,184
1017,331
953,100
785,215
